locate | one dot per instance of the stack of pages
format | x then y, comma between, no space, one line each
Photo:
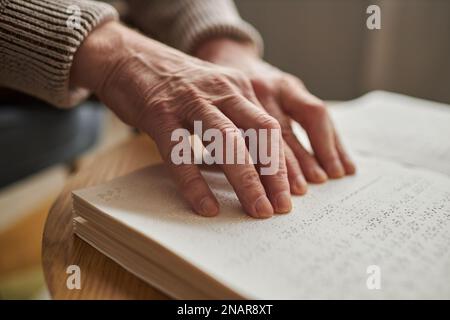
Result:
383,233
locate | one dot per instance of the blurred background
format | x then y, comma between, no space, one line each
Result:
324,42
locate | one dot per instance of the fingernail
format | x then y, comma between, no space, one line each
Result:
336,169
283,202
319,175
300,185
263,207
350,168
208,207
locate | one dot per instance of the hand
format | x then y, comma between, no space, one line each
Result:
286,98
158,89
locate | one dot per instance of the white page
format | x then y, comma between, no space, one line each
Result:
401,128
386,215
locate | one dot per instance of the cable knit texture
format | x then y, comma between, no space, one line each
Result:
39,38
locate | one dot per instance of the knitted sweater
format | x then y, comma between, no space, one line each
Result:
39,38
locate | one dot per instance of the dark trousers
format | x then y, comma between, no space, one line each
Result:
34,136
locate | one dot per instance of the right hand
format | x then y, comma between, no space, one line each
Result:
159,89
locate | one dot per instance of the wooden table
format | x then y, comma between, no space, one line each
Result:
101,278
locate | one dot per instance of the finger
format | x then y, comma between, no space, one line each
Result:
243,177
191,183
308,164
312,114
310,168
297,181
296,178
247,115
346,160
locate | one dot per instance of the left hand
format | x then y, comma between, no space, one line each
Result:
285,97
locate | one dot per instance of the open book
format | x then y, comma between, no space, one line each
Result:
383,233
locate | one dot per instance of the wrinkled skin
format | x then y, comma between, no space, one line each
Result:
159,89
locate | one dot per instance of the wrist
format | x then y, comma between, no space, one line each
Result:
98,52
223,49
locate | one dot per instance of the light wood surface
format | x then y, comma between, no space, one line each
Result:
101,278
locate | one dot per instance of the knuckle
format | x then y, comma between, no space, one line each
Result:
281,174
190,180
330,156
158,108
220,80
266,121
290,79
247,88
227,129
293,167
156,118
190,97
229,99
286,133
194,110
318,109
262,87
241,79
289,156
166,153
250,179
306,159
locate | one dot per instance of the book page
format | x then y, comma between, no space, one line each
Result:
401,128
388,216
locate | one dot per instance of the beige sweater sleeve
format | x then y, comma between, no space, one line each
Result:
38,39
183,24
